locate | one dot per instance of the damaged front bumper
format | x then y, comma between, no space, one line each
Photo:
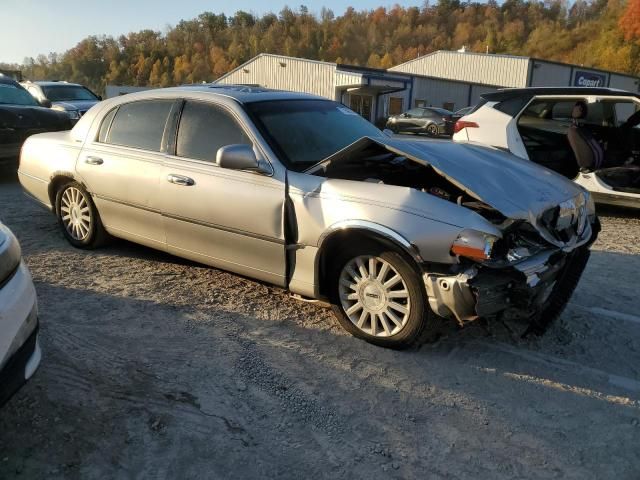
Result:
520,289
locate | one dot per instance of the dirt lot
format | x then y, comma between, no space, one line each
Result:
159,368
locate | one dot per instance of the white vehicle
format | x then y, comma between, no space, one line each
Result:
590,135
19,348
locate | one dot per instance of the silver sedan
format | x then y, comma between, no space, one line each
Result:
301,192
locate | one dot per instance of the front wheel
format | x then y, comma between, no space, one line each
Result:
78,217
377,295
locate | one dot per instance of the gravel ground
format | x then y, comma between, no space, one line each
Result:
155,367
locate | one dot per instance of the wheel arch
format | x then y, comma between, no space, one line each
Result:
358,231
58,179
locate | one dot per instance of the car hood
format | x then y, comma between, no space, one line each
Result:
76,104
20,117
517,188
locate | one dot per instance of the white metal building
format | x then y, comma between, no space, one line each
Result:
452,80
373,93
365,90
512,71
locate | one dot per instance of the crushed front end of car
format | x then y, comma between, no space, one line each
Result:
524,231
528,274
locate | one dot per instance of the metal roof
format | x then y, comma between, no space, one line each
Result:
51,83
512,57
508,93
243,93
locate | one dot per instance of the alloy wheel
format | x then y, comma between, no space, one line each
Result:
374,296
75,213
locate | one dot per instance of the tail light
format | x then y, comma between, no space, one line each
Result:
462,124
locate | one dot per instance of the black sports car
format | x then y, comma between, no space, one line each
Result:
21,116
430,120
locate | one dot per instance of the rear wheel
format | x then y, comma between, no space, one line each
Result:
78,217
432,130
377,295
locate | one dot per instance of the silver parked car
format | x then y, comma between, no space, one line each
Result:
301,192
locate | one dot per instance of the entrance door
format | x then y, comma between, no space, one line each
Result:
361,104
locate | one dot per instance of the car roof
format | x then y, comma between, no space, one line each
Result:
50,83
509,93
243,93
8,80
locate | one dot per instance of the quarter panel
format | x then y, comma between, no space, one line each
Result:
429,223
43,156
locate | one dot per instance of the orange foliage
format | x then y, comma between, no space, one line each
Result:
630,20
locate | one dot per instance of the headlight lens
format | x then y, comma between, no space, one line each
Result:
474,245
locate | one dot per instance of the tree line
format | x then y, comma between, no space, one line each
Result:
596,33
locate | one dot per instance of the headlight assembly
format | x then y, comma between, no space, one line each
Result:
474,245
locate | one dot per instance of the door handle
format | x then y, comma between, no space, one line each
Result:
94,160
180,180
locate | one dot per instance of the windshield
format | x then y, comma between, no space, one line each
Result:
65,93
305,132
15,95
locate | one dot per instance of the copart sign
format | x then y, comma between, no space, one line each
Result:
583,78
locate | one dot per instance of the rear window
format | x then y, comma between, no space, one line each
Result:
140,124
65,93
512,106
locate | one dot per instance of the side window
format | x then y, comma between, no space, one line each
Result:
204,128
140,124
104,126
623,110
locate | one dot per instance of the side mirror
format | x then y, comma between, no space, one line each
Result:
238,157
99,97
46,103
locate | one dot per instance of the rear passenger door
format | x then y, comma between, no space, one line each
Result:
231,219
122,167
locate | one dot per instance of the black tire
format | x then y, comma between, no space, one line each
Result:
95,235
419,316
561,293
432,130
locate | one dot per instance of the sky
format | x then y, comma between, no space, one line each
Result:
32,27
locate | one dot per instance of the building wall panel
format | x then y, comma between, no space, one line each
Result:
478,90
438,92
624,83
285,73
550,75
500,70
